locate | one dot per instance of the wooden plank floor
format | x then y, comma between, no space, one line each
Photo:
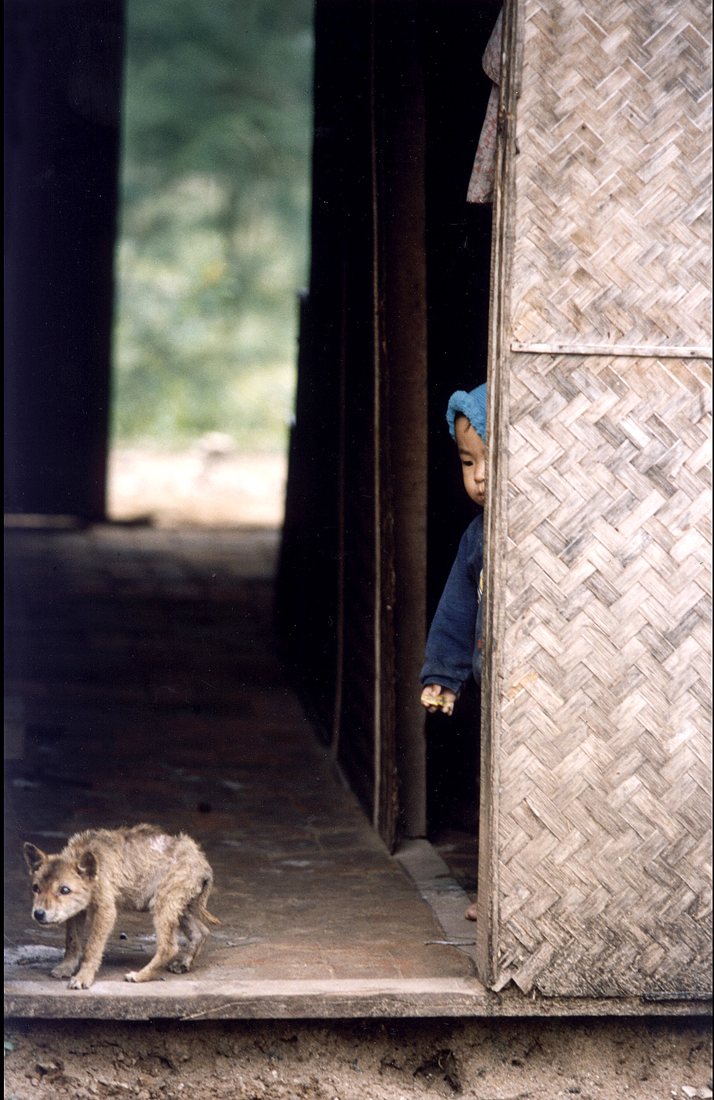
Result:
143,677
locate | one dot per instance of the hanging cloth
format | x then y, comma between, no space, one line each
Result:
484,169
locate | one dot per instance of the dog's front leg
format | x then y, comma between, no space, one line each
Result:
102,919
72,948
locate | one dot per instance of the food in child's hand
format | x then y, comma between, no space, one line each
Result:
443,701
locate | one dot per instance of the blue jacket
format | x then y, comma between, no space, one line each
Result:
453,647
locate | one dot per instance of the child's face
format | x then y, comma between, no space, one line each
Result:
472,452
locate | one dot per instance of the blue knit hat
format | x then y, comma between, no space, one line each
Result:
473,407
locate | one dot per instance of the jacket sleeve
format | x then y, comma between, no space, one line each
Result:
451,641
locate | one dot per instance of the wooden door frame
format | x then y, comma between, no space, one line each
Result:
495,526
391,729
401,382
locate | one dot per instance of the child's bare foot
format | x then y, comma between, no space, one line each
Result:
472,912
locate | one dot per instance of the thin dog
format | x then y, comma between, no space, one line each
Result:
105,871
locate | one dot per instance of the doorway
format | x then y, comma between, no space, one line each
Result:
211,254
458,258
395,320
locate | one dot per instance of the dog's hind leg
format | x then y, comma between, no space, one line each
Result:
196,934
73,947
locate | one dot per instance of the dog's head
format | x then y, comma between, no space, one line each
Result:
61,887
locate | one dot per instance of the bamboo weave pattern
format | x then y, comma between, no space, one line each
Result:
613,215
604,820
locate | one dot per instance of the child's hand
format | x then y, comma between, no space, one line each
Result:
435,697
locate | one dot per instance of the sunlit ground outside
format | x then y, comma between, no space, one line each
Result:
180,489
212,252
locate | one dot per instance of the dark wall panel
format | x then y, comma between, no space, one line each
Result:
62,92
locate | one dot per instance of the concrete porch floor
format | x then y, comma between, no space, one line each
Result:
142,684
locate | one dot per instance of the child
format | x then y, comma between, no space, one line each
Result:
453,648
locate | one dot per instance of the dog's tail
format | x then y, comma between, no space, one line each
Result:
201,901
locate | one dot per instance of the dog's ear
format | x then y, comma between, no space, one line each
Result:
87,865
34,858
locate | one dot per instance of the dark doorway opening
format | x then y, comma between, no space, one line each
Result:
458,247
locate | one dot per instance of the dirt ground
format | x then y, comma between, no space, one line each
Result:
591,1059
207,485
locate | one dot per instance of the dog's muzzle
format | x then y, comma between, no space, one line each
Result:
40,916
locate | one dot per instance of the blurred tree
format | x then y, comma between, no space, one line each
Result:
213,236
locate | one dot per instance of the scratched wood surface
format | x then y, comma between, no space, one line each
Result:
601,788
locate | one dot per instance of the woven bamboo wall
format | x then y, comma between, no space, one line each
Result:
612,218
603,812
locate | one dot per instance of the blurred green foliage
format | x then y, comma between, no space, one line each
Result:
214,211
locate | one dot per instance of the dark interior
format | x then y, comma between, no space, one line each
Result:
63,74
458,241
